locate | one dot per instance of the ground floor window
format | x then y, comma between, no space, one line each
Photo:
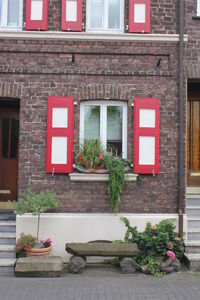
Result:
107,121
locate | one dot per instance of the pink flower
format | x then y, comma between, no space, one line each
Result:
171,254
48,241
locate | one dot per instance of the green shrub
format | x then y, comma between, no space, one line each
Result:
154,241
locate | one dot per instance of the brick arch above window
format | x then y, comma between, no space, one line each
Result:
105,92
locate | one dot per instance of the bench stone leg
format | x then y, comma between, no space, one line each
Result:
76,264
128,265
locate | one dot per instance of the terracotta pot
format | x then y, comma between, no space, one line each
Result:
38,252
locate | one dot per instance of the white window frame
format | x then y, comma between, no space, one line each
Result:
105,18
103,121
4,17
198,8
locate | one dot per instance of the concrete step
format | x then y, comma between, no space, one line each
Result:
193,234
193,223
7,241
7,265
193,211
7,216
7,226
192,247
7,251
193,200
7,238
193,261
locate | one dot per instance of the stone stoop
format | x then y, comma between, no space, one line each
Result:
192,251
7,242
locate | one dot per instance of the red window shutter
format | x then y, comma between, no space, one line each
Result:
36,15
146,136
139,16
60,126
72,15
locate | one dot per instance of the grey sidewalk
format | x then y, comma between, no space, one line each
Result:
103,284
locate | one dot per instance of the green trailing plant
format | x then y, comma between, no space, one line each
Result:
35,203
117,180
92,155
153,242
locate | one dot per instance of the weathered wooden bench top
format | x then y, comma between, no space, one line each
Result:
101,249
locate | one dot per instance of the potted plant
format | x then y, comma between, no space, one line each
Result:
24,244
90,157
36,203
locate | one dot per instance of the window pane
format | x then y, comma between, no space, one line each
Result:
114,129
91,122
13,13
96,14
14,138
113,14
5,137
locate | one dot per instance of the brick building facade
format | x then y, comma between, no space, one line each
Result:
97,66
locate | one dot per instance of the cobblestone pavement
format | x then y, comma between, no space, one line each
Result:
103,284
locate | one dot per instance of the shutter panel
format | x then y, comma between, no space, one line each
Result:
72,15
36,14
60,126
146,136
139,16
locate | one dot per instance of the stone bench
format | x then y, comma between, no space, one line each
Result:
81,251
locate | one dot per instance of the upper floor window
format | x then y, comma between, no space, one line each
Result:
107,121
198,8
11,13
105,15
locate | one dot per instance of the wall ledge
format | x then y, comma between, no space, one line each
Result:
97,177
79,36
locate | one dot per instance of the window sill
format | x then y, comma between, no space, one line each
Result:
196,17
97,177
81,36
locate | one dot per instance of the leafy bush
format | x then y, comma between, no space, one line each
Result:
154,241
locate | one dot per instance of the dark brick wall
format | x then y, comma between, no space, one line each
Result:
34,70
192,53
164,15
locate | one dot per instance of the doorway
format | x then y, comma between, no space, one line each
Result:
193,134
9,145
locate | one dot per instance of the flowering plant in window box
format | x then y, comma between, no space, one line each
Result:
90,158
